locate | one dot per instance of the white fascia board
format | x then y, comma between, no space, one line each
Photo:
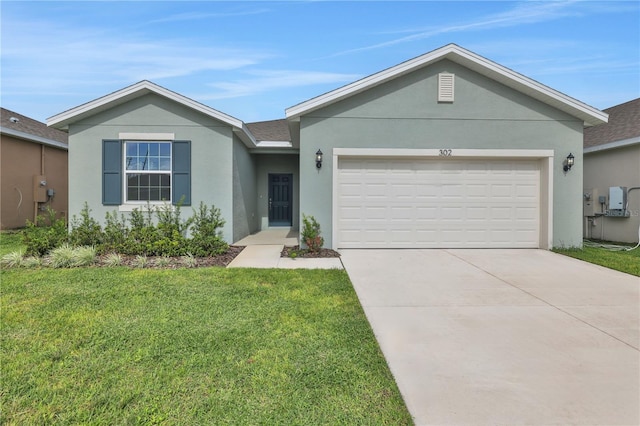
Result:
63,119
33,138
517,81
274,144
613,145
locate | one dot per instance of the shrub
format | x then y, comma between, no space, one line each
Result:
115,232
32,262
85,231
189,261
206,234
44,235
311,233
84,256
113,259
13,260
61,257
141,261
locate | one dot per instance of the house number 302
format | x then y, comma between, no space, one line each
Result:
445,153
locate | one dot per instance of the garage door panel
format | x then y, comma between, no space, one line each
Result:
435,203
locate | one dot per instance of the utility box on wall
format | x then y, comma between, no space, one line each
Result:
39,188
617,202
590,203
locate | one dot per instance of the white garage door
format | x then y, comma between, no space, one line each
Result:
434,203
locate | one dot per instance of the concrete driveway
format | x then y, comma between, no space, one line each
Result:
504,336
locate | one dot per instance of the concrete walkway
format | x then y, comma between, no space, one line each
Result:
487,337
263,251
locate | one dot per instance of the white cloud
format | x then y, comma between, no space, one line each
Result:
523,13
192,16
266,80
45,57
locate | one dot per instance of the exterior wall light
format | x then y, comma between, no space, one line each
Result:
568,162
319,159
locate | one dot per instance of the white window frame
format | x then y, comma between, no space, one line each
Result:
138,203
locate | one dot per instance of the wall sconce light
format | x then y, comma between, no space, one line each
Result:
319,159
568,163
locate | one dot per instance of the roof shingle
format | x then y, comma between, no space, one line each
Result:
30,126
624,123
273,130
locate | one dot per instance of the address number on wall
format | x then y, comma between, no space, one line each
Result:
445,152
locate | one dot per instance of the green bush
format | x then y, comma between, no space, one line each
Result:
311,233
115,232
206,234
85,231
44,235
137,237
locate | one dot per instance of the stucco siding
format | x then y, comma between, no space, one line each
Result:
20,161
404,113
211,153
245,216
614,167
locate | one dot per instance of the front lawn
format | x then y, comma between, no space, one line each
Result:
190,346
624,261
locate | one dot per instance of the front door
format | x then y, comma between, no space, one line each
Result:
280,199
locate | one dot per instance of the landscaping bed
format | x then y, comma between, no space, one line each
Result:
296,251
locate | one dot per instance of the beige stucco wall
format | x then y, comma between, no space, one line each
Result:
614,167
21,160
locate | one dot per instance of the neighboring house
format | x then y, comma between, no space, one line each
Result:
612,175
447,149
34,169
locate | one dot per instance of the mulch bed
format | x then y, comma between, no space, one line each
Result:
158,262
286,252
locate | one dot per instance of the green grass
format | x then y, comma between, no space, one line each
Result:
624,261
190,346
10,241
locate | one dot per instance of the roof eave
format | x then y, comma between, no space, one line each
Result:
590,115
33,138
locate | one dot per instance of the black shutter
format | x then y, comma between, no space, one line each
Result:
111,172
181,180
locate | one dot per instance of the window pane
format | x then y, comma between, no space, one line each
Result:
153,163
153,149
132,149
165,180
144,194
165,194
165,163
154,194
165,149
132,194
154,180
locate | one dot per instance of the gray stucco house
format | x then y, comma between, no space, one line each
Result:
448,149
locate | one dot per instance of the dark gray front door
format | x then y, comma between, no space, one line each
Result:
280,199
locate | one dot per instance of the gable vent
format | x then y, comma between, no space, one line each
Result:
445,87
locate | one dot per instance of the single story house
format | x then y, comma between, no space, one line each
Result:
612,176
448,149
33,169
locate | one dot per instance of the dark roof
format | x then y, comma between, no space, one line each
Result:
30,126
624,123
273,130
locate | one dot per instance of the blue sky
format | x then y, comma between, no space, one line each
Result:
254,59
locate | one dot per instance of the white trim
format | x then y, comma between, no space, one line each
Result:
612,145
145,207
33,138
62,120
274,144
466,58
147,136
146,172
465,153
546,156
